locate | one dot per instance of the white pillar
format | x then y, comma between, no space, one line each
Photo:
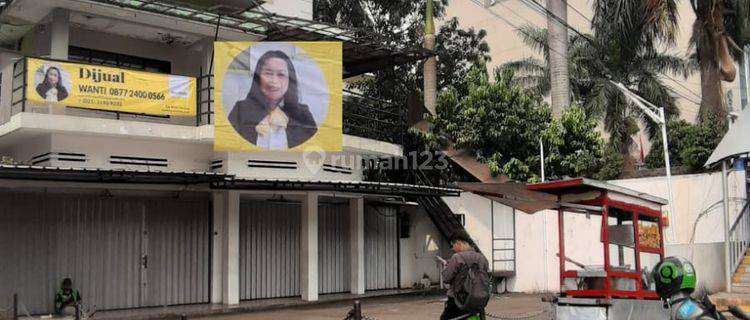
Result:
226,243
727,257
357,245
309,248
59,34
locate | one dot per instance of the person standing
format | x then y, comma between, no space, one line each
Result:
455,274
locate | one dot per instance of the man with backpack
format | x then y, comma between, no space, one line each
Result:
468,279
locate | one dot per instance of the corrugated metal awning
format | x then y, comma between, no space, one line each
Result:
372,187
214,180
735,142
41,173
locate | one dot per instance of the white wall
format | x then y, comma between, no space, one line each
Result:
418,252
181,156
693,194
708,260
293,8
537,266
478,218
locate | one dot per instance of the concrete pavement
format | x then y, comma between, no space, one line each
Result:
511,306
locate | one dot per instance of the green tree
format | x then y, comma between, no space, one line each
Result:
678,133
501,123
689,144
623,48
402,21
702,142
533,73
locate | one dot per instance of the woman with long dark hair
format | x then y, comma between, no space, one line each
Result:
51,88
271,116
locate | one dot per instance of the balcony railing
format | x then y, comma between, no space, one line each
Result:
739,238
362,116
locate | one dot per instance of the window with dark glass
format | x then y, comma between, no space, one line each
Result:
118,60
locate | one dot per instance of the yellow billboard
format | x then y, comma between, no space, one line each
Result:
107,88
282,96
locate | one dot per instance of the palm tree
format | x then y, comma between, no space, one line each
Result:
623,49
534,73
720,31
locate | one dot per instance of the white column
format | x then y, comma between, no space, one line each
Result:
357,245
226,244
309,248
59,34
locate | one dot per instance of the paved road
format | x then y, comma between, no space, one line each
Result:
509,306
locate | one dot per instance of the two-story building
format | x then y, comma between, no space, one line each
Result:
139,210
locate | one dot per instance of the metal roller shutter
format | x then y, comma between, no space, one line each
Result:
269,249
178,252
381,247
333,248
99,241
93,240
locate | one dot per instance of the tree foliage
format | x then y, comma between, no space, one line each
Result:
624,47
402,21
689,144
501,124
593,62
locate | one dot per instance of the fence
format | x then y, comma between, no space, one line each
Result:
739,238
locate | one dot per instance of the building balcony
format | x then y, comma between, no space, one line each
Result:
364,118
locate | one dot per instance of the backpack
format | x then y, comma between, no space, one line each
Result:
473,292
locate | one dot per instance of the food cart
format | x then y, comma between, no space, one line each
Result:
632,243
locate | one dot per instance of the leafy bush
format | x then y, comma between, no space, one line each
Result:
501,124
689,144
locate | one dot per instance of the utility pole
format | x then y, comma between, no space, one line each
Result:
430,65
557,38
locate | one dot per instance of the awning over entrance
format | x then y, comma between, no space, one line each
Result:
514,195
552,195
370,187
214,180
23,172
735,142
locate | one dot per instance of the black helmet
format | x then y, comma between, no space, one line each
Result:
460,235
673,275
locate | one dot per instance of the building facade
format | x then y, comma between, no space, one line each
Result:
140,211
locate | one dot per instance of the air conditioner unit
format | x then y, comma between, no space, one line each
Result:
221,6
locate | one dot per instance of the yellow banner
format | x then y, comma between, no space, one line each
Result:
283,96
105,88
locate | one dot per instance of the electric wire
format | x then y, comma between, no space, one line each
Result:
515,27
538,6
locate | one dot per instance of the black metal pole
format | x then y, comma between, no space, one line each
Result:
15,306
357,310
23,91
198,97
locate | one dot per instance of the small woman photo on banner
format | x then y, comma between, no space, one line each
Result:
52,83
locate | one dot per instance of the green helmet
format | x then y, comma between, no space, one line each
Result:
673,275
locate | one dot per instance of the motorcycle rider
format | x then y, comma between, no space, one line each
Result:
675,280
